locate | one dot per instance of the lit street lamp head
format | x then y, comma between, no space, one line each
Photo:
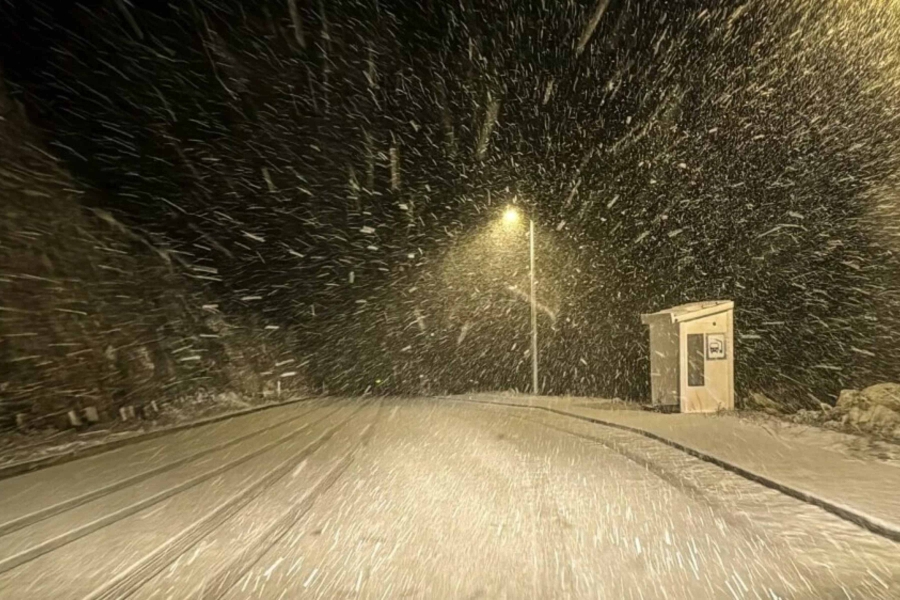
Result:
511,216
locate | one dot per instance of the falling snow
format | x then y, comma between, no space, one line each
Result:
306,197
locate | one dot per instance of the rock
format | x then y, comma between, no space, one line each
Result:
882,418
884,394
805,417
91,415
74,418
850,399
870,409
864,417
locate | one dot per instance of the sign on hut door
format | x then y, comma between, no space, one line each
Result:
715,346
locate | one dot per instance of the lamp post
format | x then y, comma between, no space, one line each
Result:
511,216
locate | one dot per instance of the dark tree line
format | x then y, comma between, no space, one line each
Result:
674,153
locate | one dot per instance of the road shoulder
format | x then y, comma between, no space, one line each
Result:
45,454
860,491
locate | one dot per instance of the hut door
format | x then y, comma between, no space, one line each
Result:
696,393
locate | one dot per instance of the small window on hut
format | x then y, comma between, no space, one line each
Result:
695,360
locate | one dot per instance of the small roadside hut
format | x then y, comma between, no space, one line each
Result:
692,356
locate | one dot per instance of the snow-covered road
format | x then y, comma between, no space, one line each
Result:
416,498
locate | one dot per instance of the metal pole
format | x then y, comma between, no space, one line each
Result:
534,347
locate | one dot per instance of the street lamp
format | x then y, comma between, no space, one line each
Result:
511,217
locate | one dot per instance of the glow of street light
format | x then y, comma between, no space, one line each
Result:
511,216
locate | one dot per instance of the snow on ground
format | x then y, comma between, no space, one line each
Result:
859,445
19,446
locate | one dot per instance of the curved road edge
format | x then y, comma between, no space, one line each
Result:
877,526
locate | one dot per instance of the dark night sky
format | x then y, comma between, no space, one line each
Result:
345,161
